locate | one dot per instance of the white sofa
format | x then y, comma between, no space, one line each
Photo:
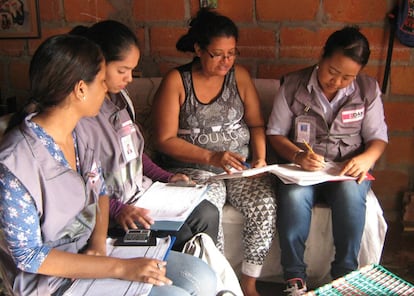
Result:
319,247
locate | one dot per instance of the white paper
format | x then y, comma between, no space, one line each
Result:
293,174
171,203
110,287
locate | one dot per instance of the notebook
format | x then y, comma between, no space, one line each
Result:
170,206
110,287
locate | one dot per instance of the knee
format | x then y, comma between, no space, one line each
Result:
209,211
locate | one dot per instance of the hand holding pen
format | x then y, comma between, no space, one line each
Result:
311,161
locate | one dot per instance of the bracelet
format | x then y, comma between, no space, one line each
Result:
295,155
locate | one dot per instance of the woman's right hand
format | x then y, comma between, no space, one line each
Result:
310,161
145,270
227,160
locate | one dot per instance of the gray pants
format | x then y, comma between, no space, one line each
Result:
256,200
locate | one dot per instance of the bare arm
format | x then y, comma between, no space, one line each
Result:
97,241
70,265
167,102
252,116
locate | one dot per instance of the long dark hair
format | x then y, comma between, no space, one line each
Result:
350,42
58,64
205,26
112,36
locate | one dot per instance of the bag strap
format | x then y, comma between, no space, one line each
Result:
202,248
392,19
225,293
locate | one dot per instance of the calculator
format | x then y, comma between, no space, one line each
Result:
137,236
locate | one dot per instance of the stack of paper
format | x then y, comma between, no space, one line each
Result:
110,287
170,206
293,174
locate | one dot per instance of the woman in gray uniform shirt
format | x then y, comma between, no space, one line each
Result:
53,228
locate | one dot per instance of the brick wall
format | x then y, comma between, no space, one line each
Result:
275,37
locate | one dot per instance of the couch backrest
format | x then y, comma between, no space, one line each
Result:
142,91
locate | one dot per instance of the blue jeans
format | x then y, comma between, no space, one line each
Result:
190,276
347,202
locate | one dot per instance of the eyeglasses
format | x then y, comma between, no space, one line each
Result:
220,56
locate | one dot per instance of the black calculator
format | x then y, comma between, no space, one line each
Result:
137,236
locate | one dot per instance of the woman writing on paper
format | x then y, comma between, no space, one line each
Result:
53,204
338,111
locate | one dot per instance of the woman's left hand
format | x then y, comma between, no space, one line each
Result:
356,167
179,177
259,163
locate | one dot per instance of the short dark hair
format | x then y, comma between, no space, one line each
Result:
112,36
205,26
350,42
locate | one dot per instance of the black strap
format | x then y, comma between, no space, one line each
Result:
225,293
392,18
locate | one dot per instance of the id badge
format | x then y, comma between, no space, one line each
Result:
305,129
128,149
129,146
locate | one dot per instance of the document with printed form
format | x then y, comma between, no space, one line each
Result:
110,287
170,205
293,174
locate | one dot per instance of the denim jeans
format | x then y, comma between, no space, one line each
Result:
347,200
190,276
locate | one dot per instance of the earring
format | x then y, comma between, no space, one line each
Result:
84,98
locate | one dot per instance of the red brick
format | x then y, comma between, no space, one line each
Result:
376,71
257,43
400,150
12,47
163,40
164,67
270,10
399,116
388,185
378,41
140,33
87,11
401,78
354,11
238,11
46,33
19,75
277,71
302,42
158,10
50,11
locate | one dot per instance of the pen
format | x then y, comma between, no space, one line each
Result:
308,146
246,164
311,151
